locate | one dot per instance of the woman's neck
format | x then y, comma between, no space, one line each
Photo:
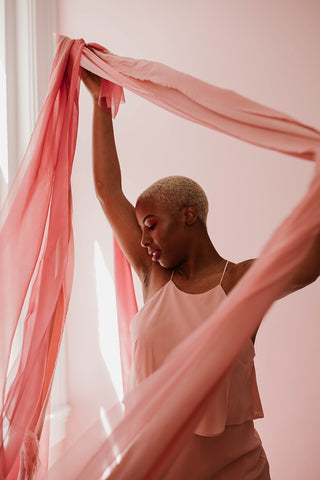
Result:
202,260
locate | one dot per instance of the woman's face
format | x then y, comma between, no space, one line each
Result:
162,233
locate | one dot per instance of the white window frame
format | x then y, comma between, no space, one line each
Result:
28,27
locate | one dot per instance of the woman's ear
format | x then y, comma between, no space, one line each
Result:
190,214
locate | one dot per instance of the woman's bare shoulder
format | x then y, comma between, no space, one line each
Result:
235,272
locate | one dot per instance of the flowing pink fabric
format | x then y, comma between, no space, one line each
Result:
36,265
126,307
36,256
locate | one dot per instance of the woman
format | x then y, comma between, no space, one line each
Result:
184,279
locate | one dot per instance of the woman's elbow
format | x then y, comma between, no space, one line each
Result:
100,189
308,278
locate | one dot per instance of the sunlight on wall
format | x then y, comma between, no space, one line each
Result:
107,317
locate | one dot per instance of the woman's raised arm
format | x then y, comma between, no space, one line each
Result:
107,179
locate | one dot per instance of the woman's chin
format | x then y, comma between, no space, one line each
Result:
167,264
163,263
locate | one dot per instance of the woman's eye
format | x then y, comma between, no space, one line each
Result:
151,227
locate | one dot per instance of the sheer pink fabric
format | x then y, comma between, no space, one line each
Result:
36,265
164,409
126,307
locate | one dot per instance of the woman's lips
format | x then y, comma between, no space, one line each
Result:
155,255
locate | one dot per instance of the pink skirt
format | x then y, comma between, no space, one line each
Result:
236,454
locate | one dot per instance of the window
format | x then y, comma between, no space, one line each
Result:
4,173
26,54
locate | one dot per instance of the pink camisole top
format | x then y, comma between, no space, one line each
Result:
162,323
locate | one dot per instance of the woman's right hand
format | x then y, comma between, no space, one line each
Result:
92,82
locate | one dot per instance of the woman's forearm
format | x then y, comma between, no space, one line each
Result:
106,168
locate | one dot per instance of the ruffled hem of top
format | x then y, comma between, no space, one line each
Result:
227,407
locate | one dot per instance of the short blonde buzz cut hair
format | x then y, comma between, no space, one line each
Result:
178,192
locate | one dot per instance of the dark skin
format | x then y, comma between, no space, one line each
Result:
155,240
184,245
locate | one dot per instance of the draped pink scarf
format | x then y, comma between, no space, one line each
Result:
36,265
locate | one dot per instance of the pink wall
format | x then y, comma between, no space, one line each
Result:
268,51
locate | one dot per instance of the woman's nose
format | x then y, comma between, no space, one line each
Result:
145,239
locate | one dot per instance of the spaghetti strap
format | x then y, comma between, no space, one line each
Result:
172,273
224,271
